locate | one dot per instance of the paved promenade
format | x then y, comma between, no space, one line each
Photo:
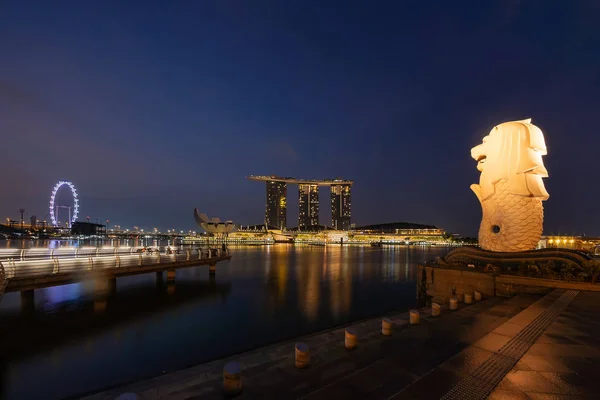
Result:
525,347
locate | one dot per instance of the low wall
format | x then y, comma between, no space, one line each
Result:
522,284
441,283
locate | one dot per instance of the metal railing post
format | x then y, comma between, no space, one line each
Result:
187,258
91,262
3,280
118,263
10,272
22,254
56,266
140,260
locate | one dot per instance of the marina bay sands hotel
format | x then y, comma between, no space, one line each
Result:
308,201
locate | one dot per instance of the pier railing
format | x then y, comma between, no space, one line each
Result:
41,268
74,252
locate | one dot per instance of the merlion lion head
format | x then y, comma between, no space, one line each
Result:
510,187
513,152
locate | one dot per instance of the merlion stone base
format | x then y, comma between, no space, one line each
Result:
524,262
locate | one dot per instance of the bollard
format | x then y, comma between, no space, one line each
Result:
477,296
232,378
386,327
351,340
435,310
415,317
453,303
302,355
468,298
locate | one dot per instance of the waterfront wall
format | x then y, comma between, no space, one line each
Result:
443,283
439,284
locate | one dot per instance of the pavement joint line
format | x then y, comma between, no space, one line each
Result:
481,382
338,380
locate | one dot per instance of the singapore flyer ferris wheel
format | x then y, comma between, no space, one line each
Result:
54,208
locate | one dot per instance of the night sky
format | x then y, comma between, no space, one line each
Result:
154,108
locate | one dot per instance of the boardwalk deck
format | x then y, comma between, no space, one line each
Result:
24,275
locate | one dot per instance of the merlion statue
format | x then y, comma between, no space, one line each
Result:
510,188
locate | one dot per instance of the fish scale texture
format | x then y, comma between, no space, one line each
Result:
519,218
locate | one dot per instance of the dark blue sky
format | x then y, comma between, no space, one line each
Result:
154,108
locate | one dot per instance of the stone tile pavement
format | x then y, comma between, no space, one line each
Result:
564,363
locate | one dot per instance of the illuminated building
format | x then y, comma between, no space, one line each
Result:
341,207
275,215
566,242
308,201
308,206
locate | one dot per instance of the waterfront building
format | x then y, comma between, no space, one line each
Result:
341,207
275,214
583,243
308,206
308,190
88,229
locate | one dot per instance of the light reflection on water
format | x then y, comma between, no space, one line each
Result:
263,295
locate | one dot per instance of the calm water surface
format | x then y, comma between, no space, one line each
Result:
263,295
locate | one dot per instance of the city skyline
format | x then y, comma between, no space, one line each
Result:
308,201
151,123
